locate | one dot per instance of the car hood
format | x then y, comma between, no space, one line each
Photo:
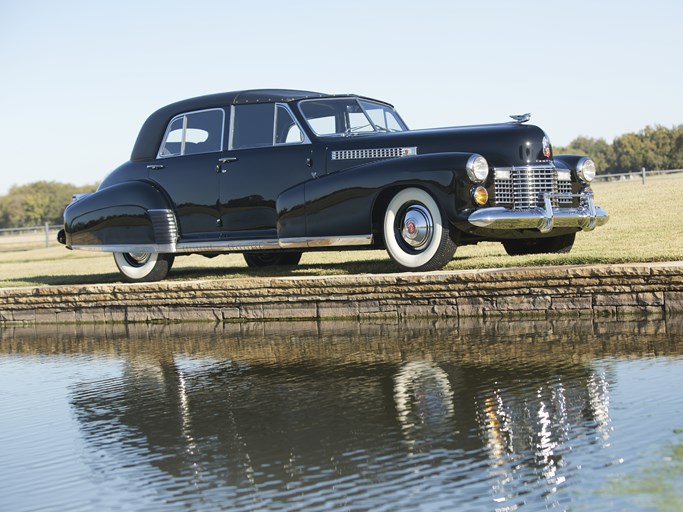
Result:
505,144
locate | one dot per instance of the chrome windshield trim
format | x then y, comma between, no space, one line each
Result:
358,100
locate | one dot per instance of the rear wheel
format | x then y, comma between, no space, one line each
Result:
416,235
271,258
556,244
143,266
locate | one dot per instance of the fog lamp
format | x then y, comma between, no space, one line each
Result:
480,196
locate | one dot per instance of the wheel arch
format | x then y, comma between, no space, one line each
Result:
383,199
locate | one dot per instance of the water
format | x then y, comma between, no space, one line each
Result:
569,415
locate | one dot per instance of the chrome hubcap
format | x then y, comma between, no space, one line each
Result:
138,257
417,227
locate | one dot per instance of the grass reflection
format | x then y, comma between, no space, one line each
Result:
658,486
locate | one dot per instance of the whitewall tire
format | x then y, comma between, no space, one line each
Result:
415,234
143,266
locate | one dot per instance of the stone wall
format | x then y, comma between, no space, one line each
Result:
541,292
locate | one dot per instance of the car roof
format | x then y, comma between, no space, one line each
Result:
152,131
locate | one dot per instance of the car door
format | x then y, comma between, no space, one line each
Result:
186,169
268,154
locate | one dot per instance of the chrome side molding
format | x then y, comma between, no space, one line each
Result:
235,245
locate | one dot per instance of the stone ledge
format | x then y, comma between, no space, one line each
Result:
534,292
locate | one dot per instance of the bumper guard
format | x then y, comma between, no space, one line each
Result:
586,216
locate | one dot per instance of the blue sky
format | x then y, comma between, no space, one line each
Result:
80,77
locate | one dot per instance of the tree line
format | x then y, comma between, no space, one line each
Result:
655,148
36,203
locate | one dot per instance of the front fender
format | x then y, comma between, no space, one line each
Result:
132,213
342,203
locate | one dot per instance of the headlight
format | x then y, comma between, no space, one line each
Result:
477,168
585,168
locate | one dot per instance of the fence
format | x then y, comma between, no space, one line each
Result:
642,175
15,239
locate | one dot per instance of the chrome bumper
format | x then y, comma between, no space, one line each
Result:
586,216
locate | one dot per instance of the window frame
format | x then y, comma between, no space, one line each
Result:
184,116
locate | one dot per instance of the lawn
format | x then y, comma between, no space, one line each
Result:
646,224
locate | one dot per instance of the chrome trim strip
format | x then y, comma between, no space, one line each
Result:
546,166
339,241
228,245
235,245
586,217
170,248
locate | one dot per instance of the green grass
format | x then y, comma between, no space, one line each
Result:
646,224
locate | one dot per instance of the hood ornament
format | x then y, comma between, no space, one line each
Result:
521,118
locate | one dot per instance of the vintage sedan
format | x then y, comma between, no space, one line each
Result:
273,173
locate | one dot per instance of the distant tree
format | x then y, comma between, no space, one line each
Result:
652,148
599,150
630,152
36,203
677,147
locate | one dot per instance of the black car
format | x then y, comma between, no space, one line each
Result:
273,173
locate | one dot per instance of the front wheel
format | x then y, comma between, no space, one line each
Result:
557,244
271,258
138,267
415,234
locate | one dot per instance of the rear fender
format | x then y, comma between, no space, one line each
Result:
133,215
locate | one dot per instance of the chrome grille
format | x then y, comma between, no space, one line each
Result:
522,188
565,187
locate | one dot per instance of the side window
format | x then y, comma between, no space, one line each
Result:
252,126
261,125
194,133
286,129
383,118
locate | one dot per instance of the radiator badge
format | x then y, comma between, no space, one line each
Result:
546,147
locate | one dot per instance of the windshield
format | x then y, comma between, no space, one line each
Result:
349,116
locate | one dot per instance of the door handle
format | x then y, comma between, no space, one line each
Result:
155,167
222,161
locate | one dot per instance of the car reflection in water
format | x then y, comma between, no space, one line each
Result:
318,425
521,417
